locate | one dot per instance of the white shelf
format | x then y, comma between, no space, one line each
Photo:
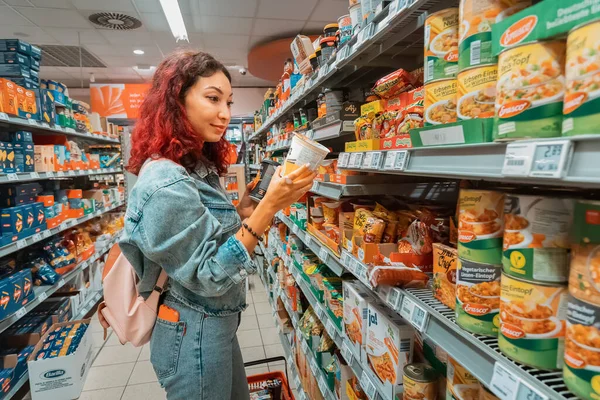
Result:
37,176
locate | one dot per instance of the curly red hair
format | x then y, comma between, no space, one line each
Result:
163,127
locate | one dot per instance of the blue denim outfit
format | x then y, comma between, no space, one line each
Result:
185,223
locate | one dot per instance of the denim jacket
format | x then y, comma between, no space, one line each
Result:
185,223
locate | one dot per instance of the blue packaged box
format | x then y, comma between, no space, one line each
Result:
14,70
27,83
7,157
33,63
49,212
24,157
34,74
46,106
7,380
16,358
39,214
28,217
17,200
32,188
16,45
12,220
36,52
22,287
12,57
7,304
19,159
21,137
59,98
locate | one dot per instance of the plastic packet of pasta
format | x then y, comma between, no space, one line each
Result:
396,274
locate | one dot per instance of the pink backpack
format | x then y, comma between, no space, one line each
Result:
130,316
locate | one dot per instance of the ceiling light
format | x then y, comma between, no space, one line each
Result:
174,18
139,52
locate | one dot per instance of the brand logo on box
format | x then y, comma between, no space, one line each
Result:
55,373
476,309
372,319
518,31
573,101
513,108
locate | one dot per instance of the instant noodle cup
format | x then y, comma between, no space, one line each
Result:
420,382
475,33
477,92
304,151
460,383
480,226
478,297
440,102
331,212
441,45
582,72
536,238
345,24
356,16
530,91
267,170
532,322
581,371
444,274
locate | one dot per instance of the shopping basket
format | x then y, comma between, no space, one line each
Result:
260,381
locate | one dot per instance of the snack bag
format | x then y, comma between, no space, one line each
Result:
331,212
394,83
363,128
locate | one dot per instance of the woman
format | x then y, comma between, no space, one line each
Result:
181,220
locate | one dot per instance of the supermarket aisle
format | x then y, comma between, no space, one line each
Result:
125,373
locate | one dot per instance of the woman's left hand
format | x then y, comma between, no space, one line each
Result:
246,205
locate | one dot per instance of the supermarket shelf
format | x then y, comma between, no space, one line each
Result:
91,303
370,54
336,190
42,128
36,176
28,241
486,161
332,130
280,146
43,292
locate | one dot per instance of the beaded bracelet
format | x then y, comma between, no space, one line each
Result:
259,238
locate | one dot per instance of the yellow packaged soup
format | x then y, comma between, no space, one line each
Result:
477,92
441,45
440,102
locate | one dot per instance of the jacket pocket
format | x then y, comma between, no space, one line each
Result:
226,214
165,347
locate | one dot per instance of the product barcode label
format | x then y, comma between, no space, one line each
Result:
315,187
366,162
393,298
390,160
71,172
358,160
376,157
21,243
21,312
413,313
323,255
303,396
34,175
37,237
32,122
518,159
503,383
343,160
347,353
60,173
46,234
43,296
4,116
527,392
320,312
368,385
12,177
476,52
344,258
401,160
429,68
515,162
330,327
63,226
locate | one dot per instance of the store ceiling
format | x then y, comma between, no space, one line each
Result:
228,29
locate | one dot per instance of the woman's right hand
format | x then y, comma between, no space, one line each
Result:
285,190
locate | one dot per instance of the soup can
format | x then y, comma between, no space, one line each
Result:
582,72
536,238
581,370
440,102
478,297
532,322
480,225
477,92
475,32
267,170
441,45
420,382
530,91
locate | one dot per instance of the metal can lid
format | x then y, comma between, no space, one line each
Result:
420,372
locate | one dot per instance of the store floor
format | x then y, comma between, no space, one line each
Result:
125,373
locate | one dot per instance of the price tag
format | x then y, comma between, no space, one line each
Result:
323,255
551,159
297,381
323,71
352,160
21,313
518,159
315,187
21,243
32,122
320,312
36,237
34,175
12,177
377,157
45,124
323,386
46,234
503,383
343,160
344,258
70,130
413,313
347,352
330,326
61,283
313,367
81,172
366,161
401,161
63,226
304,345
358,160
43,296
368,385
351,266
49,174
71,172
363,35
4,116
60,173
393,298
527,392
342,55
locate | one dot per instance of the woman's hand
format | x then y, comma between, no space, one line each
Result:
246,206
285,190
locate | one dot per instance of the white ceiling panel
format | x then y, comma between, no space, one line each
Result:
225,25
129,37
31,34
52,3
54,73
277,27
104,5
256,40
19,3
54,18
225,41
286,9
224,8
148,6
314,27
10,17
155,22
116,61
69,36
330,10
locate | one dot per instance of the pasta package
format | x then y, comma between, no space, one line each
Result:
356,299
444,274
395,274
390,344
397,82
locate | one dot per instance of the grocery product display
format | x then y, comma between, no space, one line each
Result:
447,247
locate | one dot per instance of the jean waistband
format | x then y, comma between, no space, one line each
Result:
176,298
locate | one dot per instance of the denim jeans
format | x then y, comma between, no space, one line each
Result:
199,357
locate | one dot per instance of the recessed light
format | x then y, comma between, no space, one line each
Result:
138,52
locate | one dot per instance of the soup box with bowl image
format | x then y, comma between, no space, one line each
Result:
61,377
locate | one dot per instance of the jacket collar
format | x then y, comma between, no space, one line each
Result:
203,168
